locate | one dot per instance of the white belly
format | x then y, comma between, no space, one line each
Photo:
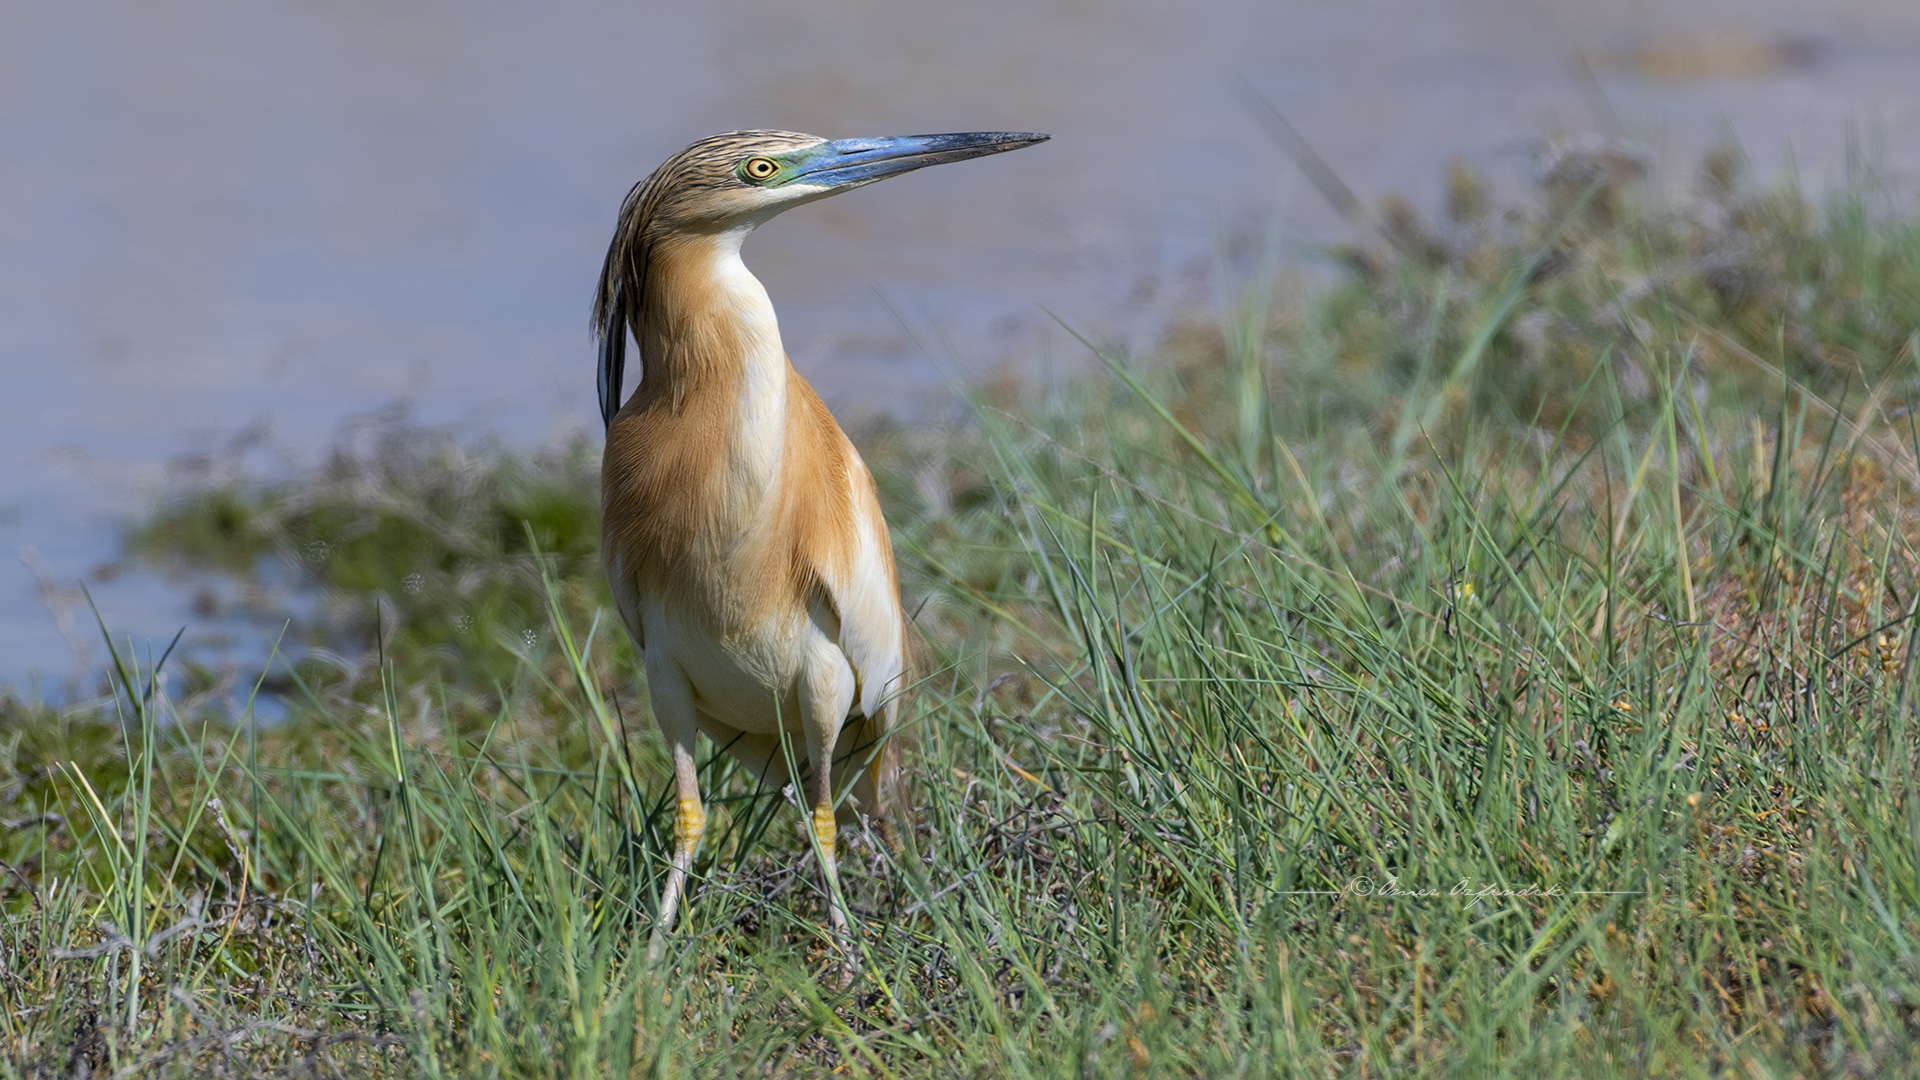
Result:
746,679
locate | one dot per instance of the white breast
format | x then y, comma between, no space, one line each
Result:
760,436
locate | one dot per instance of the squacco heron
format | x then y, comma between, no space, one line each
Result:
742,534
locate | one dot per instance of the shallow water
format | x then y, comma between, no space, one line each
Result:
222,215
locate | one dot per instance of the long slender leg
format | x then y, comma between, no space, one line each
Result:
673,710
826,693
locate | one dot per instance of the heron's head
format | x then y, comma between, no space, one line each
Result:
724,185
742,178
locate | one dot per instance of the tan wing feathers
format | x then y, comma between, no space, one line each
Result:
855,566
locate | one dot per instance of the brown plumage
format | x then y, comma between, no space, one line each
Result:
742,533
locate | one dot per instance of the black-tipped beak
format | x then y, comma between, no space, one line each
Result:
852,162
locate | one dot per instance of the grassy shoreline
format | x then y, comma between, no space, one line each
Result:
1498,663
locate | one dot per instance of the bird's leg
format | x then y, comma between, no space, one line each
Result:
673,711
826,836
824,701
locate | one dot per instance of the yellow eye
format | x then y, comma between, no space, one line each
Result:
759,168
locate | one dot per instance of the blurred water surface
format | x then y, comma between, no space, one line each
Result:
224,215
